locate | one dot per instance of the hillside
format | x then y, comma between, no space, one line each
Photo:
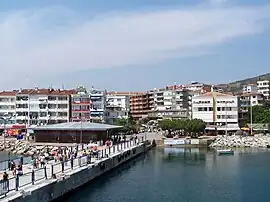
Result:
237,85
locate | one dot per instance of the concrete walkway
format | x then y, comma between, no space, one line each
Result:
26,179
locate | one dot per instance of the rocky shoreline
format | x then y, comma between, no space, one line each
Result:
238,141
25,148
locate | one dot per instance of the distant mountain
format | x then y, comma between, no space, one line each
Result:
237,86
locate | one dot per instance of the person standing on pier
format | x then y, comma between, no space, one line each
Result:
42,161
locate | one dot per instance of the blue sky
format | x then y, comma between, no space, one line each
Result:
132,45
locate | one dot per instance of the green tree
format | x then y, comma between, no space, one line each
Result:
260,114
129,126
187,125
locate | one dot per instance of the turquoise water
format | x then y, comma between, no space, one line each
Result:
180,175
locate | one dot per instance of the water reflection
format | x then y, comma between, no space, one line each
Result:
189,156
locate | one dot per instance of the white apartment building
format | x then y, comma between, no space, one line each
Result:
196,86
7,107
251,99
250,88
42,106
264,88
98,100
117,106
172,102
218,110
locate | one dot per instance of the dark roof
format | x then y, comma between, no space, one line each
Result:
86,126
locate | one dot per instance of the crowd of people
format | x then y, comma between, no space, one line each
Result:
62,154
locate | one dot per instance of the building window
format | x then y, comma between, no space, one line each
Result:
210,109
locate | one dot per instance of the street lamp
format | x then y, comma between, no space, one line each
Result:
6,118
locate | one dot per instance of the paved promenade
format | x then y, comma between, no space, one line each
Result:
52,168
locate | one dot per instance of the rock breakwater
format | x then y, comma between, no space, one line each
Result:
238,141
26,148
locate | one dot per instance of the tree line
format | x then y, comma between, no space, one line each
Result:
260,114
183,126
190,126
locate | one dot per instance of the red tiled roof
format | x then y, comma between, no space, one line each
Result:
8,93
123,93
44,91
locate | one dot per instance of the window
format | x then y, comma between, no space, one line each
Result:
118,100
62,98
51,98
85,107
76,107
210,109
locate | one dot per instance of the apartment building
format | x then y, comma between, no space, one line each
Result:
196,86
250,88
98,101
218,110
80,105
171,102
264,88
246,101
8,106
42,106
117,106
140,105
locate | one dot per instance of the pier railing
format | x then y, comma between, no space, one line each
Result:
52,168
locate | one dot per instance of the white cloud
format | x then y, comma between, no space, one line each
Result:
31,44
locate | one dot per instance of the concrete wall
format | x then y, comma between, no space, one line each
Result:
58,187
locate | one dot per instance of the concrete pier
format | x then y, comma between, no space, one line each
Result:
53,182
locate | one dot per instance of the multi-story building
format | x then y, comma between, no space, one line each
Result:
42,106
250,88
80,105
171,102
246,101
196,86
218,110
264,88
117,106
8,106
98,100
139,105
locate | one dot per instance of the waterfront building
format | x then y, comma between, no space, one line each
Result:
139,105
98,101
218,110
248,100
8,106
80,105
78,132
250,88
117,106
264,88
170,102
42,106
